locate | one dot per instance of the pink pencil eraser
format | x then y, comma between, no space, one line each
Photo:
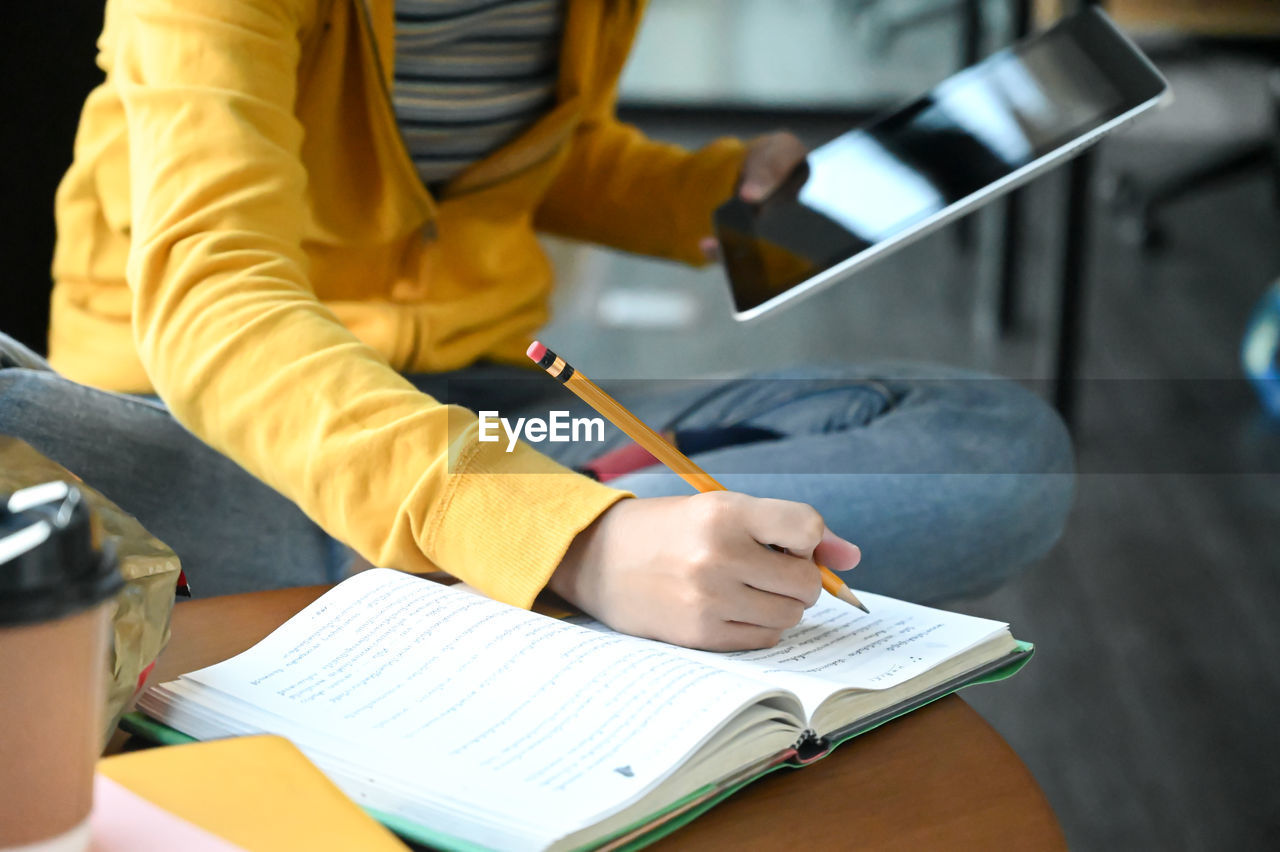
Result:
536,350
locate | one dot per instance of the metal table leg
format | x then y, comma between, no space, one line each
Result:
1072,292
1011,243
970,54
1072,305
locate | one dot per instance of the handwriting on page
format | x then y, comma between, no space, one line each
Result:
445,678
832,641
837,647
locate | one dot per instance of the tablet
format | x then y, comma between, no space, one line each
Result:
974,137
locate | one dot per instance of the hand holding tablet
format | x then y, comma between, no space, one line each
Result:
974,137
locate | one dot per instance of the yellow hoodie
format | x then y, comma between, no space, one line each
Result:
243,232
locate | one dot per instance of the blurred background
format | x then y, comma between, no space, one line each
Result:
1121,288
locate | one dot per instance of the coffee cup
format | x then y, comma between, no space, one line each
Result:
57,587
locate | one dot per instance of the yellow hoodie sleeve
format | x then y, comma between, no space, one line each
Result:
621,189
247,358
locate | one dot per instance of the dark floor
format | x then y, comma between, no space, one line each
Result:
1150,713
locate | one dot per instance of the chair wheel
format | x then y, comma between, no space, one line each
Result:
1120,192
1153,238
1138,229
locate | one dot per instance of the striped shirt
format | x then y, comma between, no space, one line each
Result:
470,76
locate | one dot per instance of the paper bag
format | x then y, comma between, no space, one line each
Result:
140,625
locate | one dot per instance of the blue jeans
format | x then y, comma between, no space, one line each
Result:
949,481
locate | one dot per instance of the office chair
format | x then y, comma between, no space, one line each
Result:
1141,208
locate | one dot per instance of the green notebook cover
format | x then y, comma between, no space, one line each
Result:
679,813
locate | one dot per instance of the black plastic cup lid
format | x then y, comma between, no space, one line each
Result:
50,562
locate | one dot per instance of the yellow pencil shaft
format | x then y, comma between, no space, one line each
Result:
636,429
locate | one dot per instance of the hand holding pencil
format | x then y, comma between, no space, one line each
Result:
692,570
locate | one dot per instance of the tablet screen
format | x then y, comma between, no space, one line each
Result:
874,183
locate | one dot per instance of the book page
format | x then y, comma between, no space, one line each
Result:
837,647
482,702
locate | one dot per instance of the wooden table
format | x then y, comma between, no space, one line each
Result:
940,778
1203,17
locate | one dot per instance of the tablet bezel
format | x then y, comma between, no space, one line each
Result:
1125,66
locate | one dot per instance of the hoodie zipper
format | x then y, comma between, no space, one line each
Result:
424,199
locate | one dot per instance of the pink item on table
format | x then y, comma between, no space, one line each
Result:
123,821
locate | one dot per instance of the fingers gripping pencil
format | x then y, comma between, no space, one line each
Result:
658,446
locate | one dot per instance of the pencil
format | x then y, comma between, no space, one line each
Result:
661,449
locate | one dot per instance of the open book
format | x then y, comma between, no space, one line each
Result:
463,723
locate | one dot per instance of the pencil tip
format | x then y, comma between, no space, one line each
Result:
849,598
